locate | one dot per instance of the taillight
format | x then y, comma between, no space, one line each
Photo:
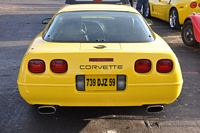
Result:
193,4
142,66
199,4
164,66
36,66
58,66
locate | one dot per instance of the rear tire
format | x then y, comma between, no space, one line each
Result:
174,19
187,34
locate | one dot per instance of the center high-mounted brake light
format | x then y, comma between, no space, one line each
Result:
100,59
193,5
97,1
36,66
58,66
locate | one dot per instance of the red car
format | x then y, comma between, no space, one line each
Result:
190,31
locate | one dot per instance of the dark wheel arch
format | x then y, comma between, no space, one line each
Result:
174,19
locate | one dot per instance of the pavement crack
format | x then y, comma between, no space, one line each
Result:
157,124
147,124
5,75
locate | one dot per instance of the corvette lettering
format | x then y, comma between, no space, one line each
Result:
105,67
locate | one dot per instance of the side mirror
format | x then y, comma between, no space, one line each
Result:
149,21
45,21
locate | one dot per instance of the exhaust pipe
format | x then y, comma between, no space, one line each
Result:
155,109
47,109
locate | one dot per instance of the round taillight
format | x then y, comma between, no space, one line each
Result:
193,5
143,66
36,66
164,66
199,4
58,66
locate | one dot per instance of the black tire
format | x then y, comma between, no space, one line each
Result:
187,34
174,19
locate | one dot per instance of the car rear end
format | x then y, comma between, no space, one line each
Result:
121,75
129,67
186,8
119,2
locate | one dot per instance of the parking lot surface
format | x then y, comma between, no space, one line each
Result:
20,23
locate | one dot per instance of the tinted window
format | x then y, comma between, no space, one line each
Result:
98,27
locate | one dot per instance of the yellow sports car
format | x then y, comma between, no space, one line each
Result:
99,55
173,11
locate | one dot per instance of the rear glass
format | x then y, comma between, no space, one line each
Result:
98,27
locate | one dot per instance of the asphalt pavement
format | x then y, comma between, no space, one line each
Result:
20,23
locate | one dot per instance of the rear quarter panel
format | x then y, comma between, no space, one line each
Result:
184,9
182,6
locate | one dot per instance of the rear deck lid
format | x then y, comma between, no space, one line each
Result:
103,46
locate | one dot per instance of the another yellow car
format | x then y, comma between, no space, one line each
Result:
173,11
99,55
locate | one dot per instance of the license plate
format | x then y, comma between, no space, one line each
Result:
100,82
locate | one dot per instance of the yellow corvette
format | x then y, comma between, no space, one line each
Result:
173,11
99,55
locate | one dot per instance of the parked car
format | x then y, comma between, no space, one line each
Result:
190,31
123,2
99,55
173,11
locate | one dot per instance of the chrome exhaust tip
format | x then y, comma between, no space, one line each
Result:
155,109
47,109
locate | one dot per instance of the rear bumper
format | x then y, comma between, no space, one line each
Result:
67,95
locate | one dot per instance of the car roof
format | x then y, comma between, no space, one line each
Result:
97,1
97,7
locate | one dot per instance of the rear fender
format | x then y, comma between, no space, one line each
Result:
195,18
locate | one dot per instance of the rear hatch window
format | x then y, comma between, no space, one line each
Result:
98,26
